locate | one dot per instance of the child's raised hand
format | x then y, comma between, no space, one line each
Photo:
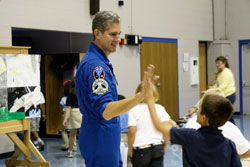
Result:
147,87
149,79
151,75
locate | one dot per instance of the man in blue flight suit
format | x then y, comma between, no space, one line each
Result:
99,139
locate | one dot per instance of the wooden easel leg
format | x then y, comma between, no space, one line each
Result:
20,145
16,154
8,165
36,153
30,163
13,157
25,147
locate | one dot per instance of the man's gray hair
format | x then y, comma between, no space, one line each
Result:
102,19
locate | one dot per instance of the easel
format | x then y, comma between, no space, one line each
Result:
10,127
26,147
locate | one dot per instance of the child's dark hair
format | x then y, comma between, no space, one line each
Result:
223,59
217,109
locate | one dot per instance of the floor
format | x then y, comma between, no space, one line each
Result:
173,155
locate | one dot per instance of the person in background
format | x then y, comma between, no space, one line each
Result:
146,144
72,118
223,78
124,135
65,137
123,123
35,126
192,110
36,113
64,130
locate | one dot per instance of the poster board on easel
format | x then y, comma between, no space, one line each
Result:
7,145
20,83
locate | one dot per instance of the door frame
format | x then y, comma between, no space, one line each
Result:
167,40
200,42
241,42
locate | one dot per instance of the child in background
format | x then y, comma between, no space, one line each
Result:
146,144
124,135
35,126
72,118
206,146
65,138
64,130
36,114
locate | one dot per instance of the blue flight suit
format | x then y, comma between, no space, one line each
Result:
99,139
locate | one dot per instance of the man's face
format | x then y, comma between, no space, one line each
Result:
109,40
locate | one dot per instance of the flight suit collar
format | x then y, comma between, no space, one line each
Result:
100,54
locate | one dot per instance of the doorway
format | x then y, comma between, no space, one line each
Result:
202,66
162,53
244,78
57,69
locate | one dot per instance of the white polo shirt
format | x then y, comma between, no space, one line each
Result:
146,133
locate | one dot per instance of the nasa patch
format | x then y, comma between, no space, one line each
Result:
100,86
99,73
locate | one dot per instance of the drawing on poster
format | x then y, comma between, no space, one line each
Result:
23,70
2,65
20,83
3,99
3,72
25,99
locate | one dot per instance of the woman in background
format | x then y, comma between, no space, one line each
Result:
224,79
